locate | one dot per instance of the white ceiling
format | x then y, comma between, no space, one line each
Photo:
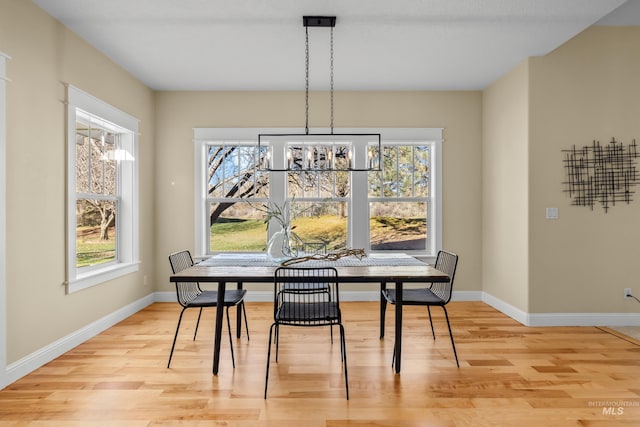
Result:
379,44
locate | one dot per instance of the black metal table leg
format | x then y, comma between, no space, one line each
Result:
218,333
398,338
383,302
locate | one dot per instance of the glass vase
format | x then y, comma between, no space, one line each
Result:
279,247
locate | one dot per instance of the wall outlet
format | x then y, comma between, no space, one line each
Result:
145,281
627,293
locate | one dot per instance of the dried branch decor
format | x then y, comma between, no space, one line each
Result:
332,256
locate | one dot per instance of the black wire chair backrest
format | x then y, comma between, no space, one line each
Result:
186,291
447,263
306,308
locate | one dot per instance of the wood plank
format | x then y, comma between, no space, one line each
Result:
509,375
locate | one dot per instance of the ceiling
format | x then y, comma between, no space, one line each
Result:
378,44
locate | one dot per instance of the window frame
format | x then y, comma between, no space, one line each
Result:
358,220
127,237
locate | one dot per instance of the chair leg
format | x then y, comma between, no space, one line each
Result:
175,336
277,340
329,296
197,324
266,379
246,323
343,348
233,359
383,309
393,357
451,335
431,322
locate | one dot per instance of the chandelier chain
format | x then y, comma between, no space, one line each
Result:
306,81
331,74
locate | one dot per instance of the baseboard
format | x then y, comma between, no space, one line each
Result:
584,319
505,308
33,361
562,319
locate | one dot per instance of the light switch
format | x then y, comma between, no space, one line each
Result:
552,213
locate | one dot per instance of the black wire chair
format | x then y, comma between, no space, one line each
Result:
191,296
437,294
307,309
308,248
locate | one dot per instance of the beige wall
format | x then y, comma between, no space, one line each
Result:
44,56
588,89
458,112
505,192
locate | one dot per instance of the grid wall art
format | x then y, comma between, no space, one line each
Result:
605,174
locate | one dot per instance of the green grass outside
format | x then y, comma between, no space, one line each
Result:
250,235
90,250
383,227
329,229
239,235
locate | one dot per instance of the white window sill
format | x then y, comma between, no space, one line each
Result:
98,276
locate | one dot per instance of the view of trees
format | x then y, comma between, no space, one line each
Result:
320,199
96,188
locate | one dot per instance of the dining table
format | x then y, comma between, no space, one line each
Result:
377,269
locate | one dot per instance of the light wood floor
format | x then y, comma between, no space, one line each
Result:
509,375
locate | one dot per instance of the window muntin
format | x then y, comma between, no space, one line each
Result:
418,148
102,189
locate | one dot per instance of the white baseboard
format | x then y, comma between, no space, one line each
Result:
49,352
584,319
506,308
562,319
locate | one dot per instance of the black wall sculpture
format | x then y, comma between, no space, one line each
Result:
605,174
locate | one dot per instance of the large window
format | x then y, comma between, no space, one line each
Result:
102,192
397,209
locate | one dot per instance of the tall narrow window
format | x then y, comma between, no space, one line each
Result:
97,195
102,191
234,189
399,199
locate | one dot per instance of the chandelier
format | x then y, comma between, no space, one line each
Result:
308,152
